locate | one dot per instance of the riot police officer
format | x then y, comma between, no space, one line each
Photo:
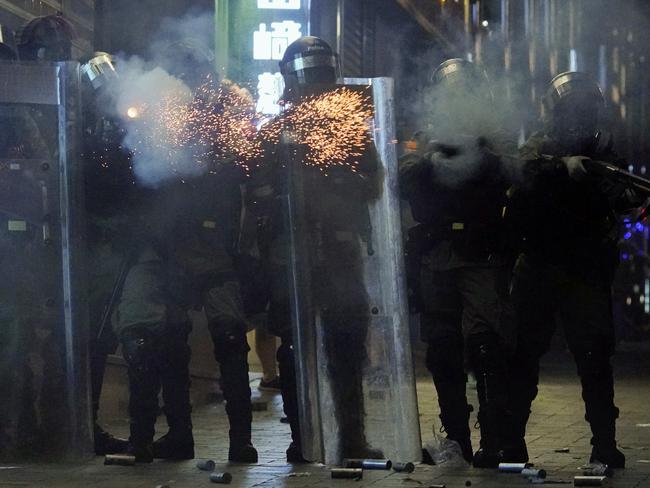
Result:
456,189
107,174
47,38
185,259
566,219
21,260
266,214
307,64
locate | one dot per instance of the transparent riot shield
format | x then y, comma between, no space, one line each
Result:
356,383
44,405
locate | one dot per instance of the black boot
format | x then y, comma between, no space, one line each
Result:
294,454
445,362
512,435
487,358
143,452
346,351
140,350
178,443
289,392
522,379
597,381
241,449
231,351
461,435
105,443
604,450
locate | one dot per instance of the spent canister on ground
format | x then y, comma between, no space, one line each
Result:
533,473
223,478
514,467
205,464
598,470
367,463
590,481
349,473
119,460
404,467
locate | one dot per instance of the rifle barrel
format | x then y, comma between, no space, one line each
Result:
636,181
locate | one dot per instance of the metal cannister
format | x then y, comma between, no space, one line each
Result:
221,478
119,460
99,69
404,467
598,470
514,467
590,481
205,464
533,473
544,481
368,463
347,473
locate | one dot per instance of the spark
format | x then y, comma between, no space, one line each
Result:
216,126
334,128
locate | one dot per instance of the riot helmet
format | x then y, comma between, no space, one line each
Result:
309,60
47,38
6,53
463,77
571,108
188,60
461,100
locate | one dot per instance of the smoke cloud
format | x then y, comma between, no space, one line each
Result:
459,120
146,87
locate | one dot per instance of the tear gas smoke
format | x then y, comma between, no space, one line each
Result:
179,121
468,118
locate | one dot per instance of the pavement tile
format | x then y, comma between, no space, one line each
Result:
557,422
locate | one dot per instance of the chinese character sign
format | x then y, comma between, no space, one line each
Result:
269,90
271,45
279,4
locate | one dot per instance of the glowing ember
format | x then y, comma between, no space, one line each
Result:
333,126
217,125
133,113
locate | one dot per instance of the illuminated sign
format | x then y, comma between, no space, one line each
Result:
271,45
281,23
279,4
255,35
269,90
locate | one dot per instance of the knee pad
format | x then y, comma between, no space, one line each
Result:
487,353
229,340
139,347
593,360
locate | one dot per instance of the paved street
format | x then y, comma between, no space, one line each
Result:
557,422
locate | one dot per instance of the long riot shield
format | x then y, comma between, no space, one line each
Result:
44,405
356,383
